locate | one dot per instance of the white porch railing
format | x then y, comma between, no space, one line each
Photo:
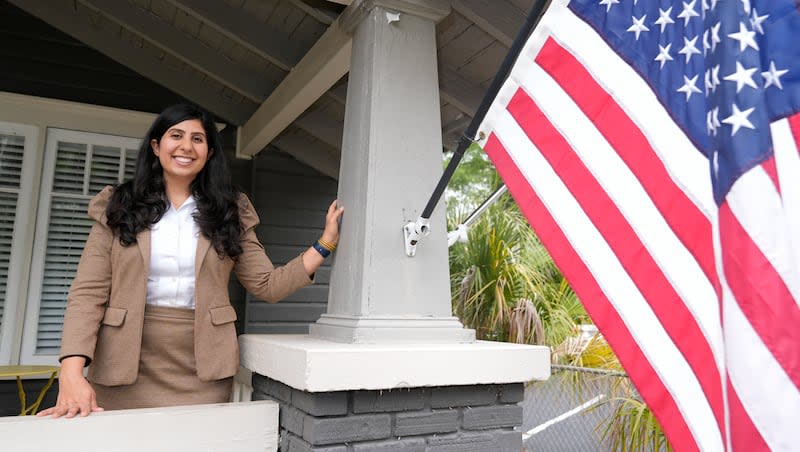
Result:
234,427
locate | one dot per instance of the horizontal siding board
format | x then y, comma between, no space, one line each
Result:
277,328
311,184
291,200
315,293
290,217
288,235
285,312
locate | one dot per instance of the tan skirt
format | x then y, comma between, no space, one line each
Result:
167,371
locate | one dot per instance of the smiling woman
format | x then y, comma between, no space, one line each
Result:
148,310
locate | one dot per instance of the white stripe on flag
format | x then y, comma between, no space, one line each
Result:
787,161
767,224
767,394
651,337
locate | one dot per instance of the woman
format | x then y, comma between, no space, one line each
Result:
148,310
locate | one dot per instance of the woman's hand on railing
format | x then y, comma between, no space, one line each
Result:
75,394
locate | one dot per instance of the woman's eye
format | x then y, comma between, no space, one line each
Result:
198,139
176,136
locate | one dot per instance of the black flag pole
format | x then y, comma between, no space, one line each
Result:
414,231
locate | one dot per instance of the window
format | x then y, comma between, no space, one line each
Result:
77,166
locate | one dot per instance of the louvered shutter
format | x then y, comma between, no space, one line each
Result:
78,165
12,152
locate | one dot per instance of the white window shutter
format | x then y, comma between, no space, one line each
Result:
12,151
77,166
18,159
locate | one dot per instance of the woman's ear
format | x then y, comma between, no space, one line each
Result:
154,146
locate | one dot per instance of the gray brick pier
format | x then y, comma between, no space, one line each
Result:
474,418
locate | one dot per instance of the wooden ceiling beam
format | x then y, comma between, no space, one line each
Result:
458,91
191,51
313,153
79,23
247,31
498,18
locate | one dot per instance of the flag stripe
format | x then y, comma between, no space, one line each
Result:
596,302
649,333
761,294
787,160
770,399
626,244
794,124
744,435
685,219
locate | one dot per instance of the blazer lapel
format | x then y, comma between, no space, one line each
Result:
143,240
203,244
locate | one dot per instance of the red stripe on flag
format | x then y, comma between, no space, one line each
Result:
641,372
744,435
794,125
646,274
684,217
760,293
772,171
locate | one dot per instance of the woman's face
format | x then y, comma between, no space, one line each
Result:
182,151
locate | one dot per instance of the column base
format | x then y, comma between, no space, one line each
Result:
391,330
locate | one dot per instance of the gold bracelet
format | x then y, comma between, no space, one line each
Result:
328,245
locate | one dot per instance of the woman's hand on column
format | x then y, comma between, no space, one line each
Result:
331,232
312,259
75,394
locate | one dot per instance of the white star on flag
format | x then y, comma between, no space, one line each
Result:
745,37
688,12
609,4
756,21
689,48
638,26
712,120
663,54
773,76
664,19
689,86
742,77
715,78
738,119
715,36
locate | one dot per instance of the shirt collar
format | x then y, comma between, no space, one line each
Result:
190,204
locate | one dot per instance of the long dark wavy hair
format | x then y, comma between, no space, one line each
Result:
141,202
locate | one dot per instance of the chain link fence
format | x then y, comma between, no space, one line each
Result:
569,411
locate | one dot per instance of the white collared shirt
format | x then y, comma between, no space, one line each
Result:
173,245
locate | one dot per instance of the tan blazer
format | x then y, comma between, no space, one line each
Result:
105,306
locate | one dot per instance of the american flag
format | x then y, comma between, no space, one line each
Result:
652,145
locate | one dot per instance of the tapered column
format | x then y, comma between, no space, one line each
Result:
391,161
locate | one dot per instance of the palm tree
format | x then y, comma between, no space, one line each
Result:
504,284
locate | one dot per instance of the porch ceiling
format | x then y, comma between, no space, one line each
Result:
230,56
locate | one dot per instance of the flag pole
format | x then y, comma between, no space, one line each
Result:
414,231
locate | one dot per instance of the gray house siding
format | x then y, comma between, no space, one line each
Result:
291,199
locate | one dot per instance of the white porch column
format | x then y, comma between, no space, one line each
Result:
391,161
